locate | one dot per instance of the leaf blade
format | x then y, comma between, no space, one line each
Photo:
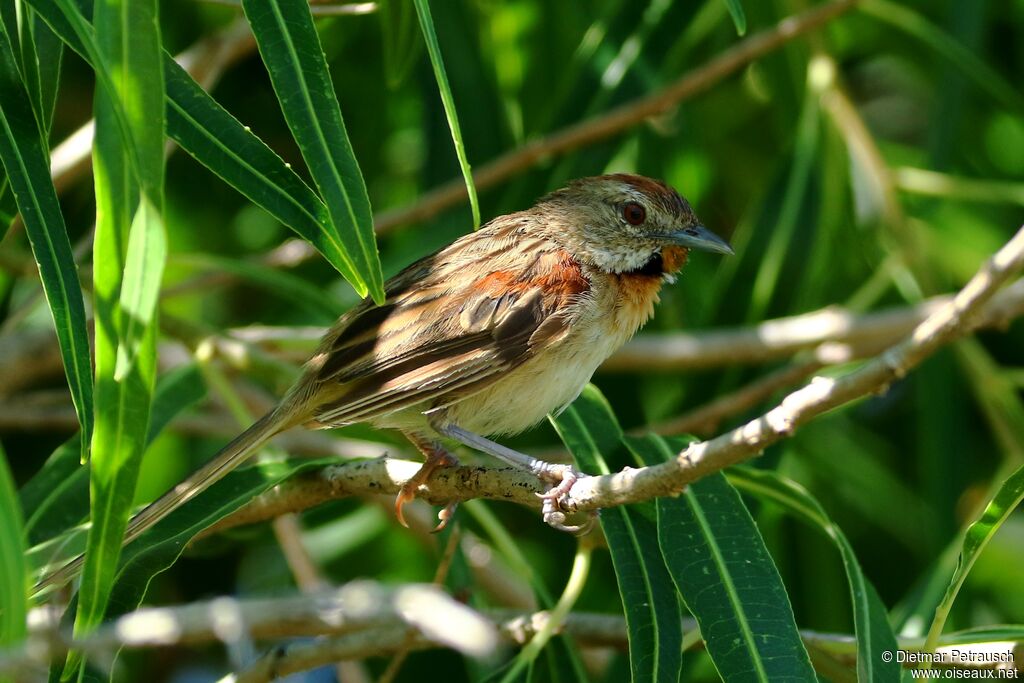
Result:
871,624
653,614
292,53
24,156
130,251
727,578
13,563
441,76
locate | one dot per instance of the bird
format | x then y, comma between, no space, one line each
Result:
487,336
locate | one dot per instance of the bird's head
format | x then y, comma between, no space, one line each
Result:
626,223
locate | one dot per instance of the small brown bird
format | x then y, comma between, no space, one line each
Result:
488,335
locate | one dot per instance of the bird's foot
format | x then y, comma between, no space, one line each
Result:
437,458
562,476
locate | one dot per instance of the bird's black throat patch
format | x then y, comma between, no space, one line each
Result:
652,267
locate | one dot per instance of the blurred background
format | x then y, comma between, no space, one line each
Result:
870,164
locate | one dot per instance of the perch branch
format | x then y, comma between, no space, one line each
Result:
950,319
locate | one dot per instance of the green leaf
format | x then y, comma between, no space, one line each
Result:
13,565
291,50
41,57
726,577
140,287
437,61
129,254
977,536
871,624
220,142
49,55
589,430
738,17
24,156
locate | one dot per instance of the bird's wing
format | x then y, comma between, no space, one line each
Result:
452,324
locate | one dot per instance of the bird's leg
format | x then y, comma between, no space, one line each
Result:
436,457
562,476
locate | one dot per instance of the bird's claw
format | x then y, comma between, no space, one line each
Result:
445,515
407,493
563,476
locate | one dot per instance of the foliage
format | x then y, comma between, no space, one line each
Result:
871,163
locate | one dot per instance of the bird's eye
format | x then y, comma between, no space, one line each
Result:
634,213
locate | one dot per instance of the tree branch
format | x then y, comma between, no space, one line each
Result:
950,318
363,619
950,321
355,607
851,335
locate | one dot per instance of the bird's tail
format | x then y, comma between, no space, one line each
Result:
229,457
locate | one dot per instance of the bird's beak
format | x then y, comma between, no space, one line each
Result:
699,237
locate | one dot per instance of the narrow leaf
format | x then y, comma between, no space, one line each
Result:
738,17
130,250
217,140
140,288
291,50
977,536
589,430
437,61
221,143
871,623
727,579
24,156
13,566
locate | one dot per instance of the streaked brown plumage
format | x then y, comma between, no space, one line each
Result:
516,317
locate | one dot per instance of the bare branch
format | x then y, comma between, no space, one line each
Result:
852,335
950,321
360,620
351,608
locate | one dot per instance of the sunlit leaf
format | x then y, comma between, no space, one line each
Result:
13,565
130,251
976,537
291,50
